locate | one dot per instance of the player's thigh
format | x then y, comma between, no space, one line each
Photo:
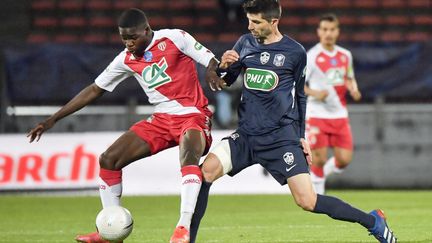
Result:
342,155
127,148
319,156
192,146
212,167
302,190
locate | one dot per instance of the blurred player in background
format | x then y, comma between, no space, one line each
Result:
329,76
271,125
163,62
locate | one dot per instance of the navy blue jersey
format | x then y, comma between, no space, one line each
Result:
273,94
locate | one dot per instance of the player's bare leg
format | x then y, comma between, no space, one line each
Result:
125,150
192,146
337,163
317,172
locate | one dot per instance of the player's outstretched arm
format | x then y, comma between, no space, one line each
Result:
353,89
86,96
213,80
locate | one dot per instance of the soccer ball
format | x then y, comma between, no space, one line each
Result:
114,223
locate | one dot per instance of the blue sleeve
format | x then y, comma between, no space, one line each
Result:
232,72
300,75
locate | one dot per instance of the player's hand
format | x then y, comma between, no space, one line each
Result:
228,58
37,131
214,81
306,151
356,95
322,94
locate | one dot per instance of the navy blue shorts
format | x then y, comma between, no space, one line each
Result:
279,152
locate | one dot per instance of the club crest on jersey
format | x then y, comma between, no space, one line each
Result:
161,46
155,74
260,79
279,60
148,56
265,57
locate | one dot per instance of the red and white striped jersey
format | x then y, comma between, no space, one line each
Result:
166,72
328,71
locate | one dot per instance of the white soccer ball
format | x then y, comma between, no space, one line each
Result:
114,223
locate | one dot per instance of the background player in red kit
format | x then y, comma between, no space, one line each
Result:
163,62
329,77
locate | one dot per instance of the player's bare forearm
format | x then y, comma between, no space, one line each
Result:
83,98
86,96
318,94
214,81
353,89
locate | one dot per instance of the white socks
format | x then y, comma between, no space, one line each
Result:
330,167
190,187
318,183
110,195
110,187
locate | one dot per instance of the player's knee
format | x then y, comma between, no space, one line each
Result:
208,175
307,203
343,161
106,161
190,157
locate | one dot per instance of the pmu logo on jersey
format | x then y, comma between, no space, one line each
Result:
260,79
155,75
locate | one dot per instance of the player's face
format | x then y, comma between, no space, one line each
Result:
136,39
259,27
328,32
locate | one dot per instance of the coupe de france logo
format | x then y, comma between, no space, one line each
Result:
265,57
288,158
279,60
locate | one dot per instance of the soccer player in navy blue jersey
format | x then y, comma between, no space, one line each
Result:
271,129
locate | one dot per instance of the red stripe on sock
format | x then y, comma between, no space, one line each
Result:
111,177
318,171
191,169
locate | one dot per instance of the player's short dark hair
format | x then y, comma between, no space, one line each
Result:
331,17
132,18
269,9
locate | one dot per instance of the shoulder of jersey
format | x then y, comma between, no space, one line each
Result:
343,50
314,50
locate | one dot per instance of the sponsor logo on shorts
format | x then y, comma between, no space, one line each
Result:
290,168
234,136
288,157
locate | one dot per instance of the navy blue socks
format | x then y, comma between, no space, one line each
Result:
200,209
340,210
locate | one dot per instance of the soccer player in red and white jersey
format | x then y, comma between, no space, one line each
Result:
329,77
163,62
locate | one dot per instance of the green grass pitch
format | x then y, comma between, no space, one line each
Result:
229,219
